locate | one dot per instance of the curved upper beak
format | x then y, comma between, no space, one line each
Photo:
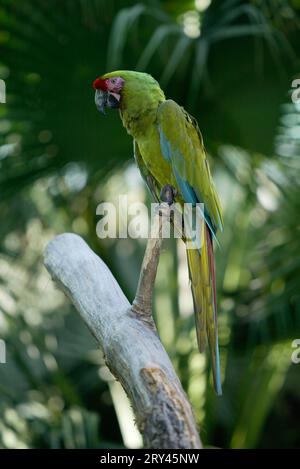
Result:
101,100
105,99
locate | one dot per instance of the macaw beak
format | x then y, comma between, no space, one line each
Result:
104,99
100,100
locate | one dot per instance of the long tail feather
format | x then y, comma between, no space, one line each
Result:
203,282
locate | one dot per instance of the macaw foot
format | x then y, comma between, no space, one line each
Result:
168,194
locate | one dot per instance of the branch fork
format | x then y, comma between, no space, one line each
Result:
127,335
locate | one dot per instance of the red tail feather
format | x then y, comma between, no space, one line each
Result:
211,256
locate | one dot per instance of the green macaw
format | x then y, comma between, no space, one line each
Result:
169,152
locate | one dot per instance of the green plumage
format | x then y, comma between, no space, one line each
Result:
169,150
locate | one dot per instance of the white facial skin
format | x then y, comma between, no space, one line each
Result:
114,86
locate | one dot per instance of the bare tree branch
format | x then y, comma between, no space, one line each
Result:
142,304
127,337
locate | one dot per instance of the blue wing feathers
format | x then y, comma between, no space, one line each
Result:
176,160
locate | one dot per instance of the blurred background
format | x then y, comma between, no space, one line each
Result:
231,63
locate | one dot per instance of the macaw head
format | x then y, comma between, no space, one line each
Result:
125,89
108,92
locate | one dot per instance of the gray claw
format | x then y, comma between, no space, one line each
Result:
168,194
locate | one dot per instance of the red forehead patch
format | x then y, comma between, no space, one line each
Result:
100,84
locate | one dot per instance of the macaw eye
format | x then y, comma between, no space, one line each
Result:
113,80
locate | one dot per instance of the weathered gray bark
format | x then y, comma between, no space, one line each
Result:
127,337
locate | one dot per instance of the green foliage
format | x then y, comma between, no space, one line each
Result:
231,65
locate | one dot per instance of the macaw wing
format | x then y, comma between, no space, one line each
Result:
182,146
